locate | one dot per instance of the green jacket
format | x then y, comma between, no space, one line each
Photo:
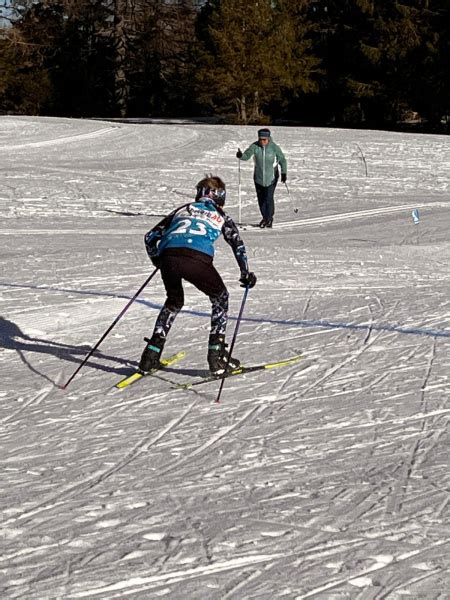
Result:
266,158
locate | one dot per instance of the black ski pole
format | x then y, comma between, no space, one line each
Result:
239,192
290,199
238,321
113,324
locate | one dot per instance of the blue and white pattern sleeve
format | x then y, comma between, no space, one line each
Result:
232,237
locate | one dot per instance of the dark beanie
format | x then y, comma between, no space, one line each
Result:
264,133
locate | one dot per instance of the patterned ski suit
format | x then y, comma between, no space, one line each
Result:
182,244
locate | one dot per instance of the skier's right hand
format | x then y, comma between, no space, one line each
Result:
152,247
248,279
239,153
156,261
152,252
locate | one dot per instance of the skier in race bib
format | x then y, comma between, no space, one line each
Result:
182,246
267,156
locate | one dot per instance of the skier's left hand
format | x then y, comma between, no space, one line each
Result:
248,279
283,177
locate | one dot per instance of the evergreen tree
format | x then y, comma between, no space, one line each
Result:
25,86
160,67
430,80
366,47
250,54
64,40
391,46
315,61
111,57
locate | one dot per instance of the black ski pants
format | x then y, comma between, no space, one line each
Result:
178,264
266,200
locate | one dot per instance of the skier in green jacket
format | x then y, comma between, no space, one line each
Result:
267,156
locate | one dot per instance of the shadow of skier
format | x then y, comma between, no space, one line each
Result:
13,338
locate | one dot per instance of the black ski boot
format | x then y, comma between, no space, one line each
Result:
152,353
219,360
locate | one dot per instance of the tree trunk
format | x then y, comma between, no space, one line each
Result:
256,110
121,88
241,110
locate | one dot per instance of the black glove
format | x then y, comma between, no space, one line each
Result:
239,153
152,248
248,279
156,261
283,177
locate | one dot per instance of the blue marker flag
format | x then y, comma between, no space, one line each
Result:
415,216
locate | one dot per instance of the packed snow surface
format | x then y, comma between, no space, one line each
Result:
325,479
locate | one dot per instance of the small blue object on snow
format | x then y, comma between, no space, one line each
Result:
415,216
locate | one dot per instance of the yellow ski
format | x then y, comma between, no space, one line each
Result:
165,362
243,369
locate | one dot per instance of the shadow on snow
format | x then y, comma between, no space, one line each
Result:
12,337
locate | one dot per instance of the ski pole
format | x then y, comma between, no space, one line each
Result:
113,324
290,199
238,321
239,190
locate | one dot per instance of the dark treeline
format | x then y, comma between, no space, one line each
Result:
367,63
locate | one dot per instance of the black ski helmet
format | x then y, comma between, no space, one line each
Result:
212,187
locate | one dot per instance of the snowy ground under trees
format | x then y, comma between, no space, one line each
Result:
325,479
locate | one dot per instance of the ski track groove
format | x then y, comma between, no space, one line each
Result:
63,140
334,583
362,503
287,379
387,590
398,518
34,400
406,470
244,580
114,410
317,551
427,377
412,460
141,584
330,372
438,512
97,478
372,212
372,384
212,441
307,305
368,341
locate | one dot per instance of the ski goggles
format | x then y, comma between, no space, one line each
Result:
218,195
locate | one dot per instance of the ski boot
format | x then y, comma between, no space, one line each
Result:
219,360
152,353
263,223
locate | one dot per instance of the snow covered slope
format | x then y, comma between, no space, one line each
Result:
325,479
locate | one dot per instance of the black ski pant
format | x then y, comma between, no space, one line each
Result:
265,199
196,268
